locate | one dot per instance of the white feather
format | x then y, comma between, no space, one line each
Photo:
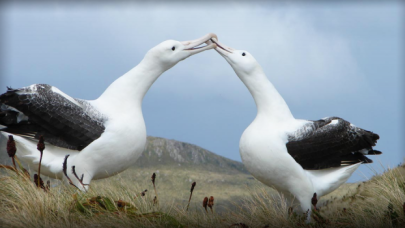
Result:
56,90
334,122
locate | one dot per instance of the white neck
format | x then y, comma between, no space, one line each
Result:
268,101
128,91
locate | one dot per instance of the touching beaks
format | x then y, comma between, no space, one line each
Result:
221,48
193,45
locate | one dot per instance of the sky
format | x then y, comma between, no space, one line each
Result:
326,59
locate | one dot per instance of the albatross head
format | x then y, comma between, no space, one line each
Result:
170,52
243,63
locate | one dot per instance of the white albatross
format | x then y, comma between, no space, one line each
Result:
104,136
298,157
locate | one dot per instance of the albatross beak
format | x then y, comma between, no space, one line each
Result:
221,48
192,45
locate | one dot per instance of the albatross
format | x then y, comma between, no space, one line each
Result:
297,157
102,137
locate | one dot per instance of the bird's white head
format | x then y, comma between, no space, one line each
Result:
243,63
170,52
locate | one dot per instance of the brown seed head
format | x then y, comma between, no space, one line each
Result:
41,144
192,186
205,202
314,200
153,178
121,203
144,192
154,200
211,202
41,183
290,210
11,149
243,225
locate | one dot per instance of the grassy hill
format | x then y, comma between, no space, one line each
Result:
177,165
239,198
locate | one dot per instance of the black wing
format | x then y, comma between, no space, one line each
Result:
43,110
331,142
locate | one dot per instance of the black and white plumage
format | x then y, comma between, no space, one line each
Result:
102,137
44,110
331,142
297,157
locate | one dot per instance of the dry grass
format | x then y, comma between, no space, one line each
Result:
239,202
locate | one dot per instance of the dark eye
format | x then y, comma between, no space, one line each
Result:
173,48
243,54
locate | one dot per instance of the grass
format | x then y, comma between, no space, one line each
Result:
239,202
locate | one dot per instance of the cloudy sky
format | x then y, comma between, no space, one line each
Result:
326,59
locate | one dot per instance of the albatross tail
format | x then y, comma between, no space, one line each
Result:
52,158
325,181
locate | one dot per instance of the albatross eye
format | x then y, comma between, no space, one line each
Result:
173,48
243,54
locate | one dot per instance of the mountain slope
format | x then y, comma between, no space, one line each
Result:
161,151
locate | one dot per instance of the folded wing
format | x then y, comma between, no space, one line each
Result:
331,142
45,110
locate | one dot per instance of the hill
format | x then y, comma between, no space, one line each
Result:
166,152
178,164
239,198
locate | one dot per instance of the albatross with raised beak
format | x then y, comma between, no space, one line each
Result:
298,157
102,137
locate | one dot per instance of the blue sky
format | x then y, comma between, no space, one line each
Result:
326,59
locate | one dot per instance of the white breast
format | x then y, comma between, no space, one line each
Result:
263,151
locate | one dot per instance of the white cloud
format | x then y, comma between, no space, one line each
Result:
302,60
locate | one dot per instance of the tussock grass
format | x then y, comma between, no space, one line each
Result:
375,203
